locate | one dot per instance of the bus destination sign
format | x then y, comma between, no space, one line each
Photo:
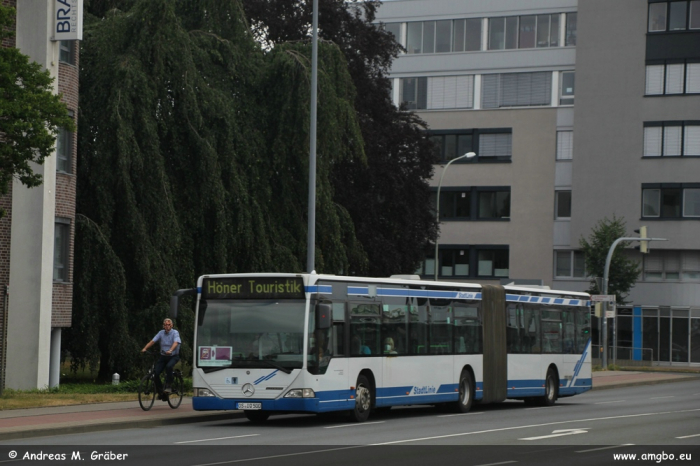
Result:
253,288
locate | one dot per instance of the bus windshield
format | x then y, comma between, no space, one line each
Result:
249,334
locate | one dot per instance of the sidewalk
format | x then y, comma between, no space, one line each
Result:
39,422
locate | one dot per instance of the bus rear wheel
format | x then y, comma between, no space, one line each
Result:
466,392
363,400
551,389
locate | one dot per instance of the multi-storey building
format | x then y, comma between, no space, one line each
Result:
577,111
36,234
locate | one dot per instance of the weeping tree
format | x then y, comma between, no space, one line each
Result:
193,149
388,198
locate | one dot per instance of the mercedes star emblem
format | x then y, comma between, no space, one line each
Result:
248,389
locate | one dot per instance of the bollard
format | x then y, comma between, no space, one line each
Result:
115,379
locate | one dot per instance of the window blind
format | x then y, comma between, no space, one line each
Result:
565,145
493,145
655,80
674,78
652,141
692,78
653,263
691,260
672,140
691,143
516,89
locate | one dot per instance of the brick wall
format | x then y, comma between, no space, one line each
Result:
68,86
5,224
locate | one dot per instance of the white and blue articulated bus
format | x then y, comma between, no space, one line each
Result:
306,343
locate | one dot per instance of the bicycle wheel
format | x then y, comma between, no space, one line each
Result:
147,392
178,387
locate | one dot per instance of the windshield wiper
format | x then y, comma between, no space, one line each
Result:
286,370
207,370
277,366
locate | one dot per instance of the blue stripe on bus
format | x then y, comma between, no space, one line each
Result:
266,377
319,289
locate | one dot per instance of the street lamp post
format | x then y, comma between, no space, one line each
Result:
468,155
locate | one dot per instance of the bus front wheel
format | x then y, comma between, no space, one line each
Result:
363,400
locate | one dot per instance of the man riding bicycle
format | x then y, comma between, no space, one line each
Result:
169,340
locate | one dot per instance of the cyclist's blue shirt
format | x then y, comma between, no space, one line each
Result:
166,341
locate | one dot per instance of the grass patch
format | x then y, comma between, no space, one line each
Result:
74,394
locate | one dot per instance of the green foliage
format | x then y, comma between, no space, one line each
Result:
387,199
623,272
124,386
30,113
194,159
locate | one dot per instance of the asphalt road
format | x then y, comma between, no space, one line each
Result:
586,429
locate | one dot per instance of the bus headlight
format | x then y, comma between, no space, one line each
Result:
300,393
203,392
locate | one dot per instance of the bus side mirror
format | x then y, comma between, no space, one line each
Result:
323,315
175,300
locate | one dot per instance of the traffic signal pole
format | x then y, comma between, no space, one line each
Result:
608,259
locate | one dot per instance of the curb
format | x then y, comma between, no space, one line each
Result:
644,382
117,425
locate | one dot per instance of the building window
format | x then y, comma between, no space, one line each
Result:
569,264
466,35
660,265
495,145
414,93
524,32
443,36
64,149
674,16
673,78
565,145
490,145
475,203
672,139
467,262
671,201
516,89
66,52
450,92
492,263
455,204
566,90
394,29
60,249
571,28
493,204
562,207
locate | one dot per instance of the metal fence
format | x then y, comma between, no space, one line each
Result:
622,356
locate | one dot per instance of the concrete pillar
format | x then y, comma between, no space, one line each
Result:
55,366
33,218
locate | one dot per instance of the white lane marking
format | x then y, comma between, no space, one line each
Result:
608,402
358,424
661,397
605,448
536,425
220,438
689,436
460,414
559,433
280,456
496,464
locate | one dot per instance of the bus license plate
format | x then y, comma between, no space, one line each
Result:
249,405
